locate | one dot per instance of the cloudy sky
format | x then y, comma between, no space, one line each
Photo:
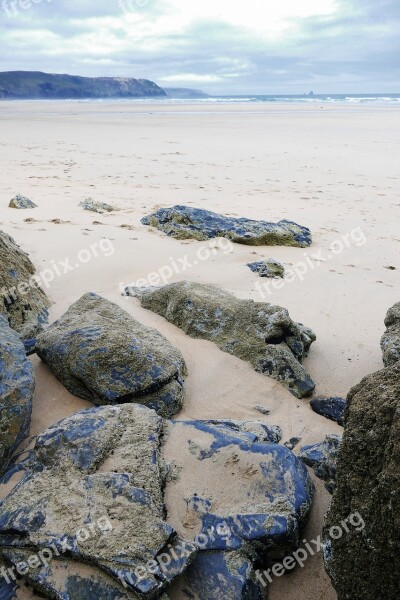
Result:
221,46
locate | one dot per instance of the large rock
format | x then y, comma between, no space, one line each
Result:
232,491
104,355
23,302
16,392
92,494
182,222
92,505
390,342
364,563
259,333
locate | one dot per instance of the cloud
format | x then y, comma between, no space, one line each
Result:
279,46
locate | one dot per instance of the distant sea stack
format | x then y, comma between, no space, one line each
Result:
24,85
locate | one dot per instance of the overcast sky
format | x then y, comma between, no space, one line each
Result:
221,46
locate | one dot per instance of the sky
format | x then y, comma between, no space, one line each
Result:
220,46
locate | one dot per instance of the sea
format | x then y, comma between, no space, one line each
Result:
369,99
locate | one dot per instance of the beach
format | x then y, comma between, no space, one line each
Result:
332,168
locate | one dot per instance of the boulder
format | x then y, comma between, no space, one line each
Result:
322,458
364,562
230,490
183,222
92,496
268,268
97,207
217,575
21,202
91,508
390,342
23,302
259,333
17,386
331,408
102,354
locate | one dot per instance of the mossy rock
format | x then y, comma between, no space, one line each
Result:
22,302
364,562
104,355
17,386
184,222
259,333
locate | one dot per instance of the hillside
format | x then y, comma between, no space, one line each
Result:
37,85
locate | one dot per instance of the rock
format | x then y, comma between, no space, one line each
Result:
17,386
21,202
93,493
390,342
292,443
217,575
259,333
331,408
97,207
102,354
268,268
184,222
262,409
23,302
63,580
364,562
322,458
261,432
238,492
9,586
97,487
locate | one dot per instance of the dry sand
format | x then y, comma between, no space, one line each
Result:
332,168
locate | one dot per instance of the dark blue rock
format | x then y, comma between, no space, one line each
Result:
17,386
322,458
246,493
30,346
220,575
97,471
268,268
184,222
331,408
63,579
101,354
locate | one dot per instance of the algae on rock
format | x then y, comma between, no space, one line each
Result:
259,333
364,563
104,355
22,301
184,222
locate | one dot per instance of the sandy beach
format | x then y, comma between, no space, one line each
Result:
331,168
